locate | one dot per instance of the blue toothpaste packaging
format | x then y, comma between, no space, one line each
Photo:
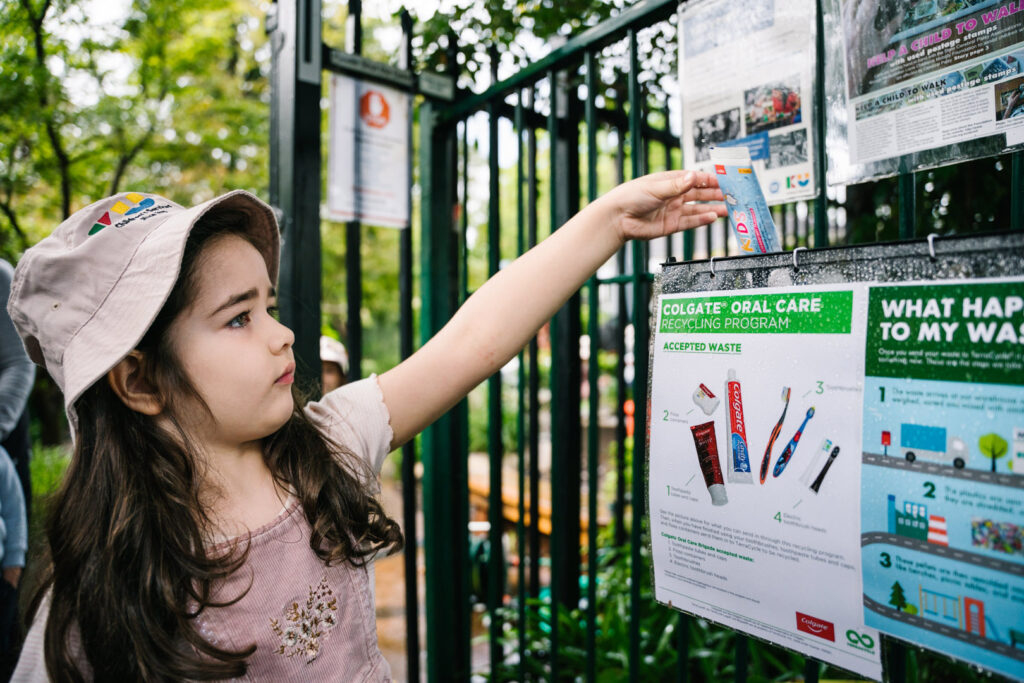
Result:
748,211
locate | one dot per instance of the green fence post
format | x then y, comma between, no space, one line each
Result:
1017,198
534,377
412,628
521,404
593,330
295,175
565,374
810,670
445,479
907,199
495,447
820,162
353,243
641,333
742,658
621,389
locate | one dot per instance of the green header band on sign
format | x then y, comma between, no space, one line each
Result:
791,313
961,332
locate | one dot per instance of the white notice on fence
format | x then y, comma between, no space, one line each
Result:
368,160
745,75
754,485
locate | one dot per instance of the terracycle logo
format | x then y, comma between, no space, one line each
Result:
121,210
861,641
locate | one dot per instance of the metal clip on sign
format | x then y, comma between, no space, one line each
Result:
931,245
795,250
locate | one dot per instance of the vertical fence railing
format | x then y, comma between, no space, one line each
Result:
445,450
593,391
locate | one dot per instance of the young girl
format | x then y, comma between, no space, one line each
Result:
210,525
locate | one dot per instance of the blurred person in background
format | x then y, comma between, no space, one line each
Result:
17,374
333,363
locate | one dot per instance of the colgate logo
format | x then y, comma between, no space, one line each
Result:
816,627
737,408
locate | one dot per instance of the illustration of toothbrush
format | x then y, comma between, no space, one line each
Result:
824,470
775,434
783,460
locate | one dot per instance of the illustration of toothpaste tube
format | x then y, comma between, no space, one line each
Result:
815,465
736,443
707,456
749,216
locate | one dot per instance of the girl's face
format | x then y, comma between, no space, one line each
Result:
233,349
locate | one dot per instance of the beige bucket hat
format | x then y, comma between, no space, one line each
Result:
84,297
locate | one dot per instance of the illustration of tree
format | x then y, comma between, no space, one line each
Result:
993,446
897,598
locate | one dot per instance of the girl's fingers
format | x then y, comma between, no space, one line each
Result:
719,209
668,184
704,195
697,220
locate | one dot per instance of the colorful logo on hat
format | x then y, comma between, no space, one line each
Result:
120,209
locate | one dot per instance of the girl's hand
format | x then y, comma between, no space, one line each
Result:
659,204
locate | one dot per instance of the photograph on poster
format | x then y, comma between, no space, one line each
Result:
1010,99
788,148
714,129
892,41
772,105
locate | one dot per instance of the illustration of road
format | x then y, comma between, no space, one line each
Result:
997,478
949,631
992,563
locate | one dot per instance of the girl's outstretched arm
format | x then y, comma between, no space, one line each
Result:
501,317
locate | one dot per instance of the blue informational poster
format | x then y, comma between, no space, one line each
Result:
942,499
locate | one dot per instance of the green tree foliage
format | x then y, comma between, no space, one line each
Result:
169,98
993,447
521,31
897,598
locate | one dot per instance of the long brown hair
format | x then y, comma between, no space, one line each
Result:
130,568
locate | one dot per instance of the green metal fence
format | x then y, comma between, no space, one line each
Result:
567,123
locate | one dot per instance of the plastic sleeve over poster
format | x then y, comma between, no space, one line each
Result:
920,84
746,77
368,161
770,554
879,394
942,528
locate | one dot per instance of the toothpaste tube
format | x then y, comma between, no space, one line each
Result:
736,444
707,456
748,211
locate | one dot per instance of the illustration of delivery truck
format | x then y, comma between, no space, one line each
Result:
932,443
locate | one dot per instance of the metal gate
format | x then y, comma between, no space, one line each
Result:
543,105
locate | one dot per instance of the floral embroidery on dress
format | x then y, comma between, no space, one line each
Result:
304,627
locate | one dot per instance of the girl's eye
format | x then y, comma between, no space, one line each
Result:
240,320
274,312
